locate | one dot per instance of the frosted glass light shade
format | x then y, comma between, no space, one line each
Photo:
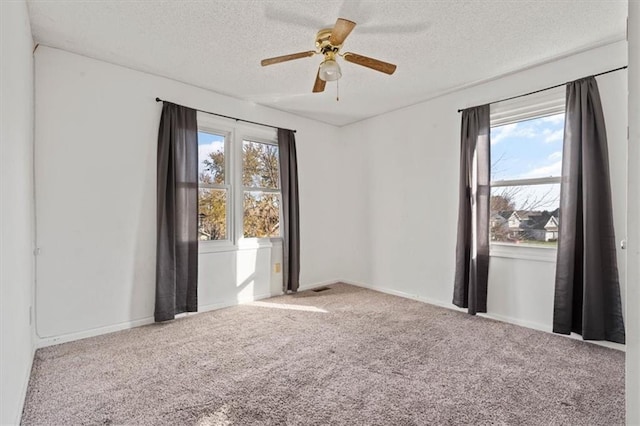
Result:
330,70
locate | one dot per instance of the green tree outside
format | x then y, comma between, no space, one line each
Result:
261,216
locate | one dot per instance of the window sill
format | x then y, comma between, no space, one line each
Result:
523,251
254,243
243,244
215,246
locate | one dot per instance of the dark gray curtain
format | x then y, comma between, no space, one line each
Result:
472,247
290,209
587,293
177,243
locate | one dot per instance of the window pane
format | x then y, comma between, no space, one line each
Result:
260,165
525,214
261,214
210,158
527,149
212,214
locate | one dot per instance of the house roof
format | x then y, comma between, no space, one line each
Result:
552,223
531,219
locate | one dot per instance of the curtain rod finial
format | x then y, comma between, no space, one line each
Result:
158,100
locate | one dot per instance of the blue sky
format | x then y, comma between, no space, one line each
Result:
527,149
208,143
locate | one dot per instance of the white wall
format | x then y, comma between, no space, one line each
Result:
403,182
378,198
96,139
16,207
633,222
528,301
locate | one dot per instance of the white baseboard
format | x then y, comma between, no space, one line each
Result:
49,341
70,337
42,342
447,305
516,321
493,316
25,387
231,302
305,287
406,295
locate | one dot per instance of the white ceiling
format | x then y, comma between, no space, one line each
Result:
438,45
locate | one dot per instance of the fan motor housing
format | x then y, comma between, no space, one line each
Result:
322,41
328,43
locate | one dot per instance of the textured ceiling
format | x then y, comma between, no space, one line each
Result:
437,45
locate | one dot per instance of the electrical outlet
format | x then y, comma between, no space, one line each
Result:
277,267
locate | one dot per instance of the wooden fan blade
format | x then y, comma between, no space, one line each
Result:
374,64
318,86
340,31
285,58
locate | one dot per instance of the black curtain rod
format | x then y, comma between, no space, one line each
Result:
548,88
233,118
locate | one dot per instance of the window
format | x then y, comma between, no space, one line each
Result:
239,182
526,166
261,186
213,187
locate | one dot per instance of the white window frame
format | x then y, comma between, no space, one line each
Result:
206,126
266,141
539,105
235,134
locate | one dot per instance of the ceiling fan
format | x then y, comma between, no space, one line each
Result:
329,41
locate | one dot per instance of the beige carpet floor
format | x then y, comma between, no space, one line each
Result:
344,356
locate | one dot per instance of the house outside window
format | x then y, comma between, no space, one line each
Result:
526,167
239,183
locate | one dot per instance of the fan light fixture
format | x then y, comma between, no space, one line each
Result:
328,43
330,70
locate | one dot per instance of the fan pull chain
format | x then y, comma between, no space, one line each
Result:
337,90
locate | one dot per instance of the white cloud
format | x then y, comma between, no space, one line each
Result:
205,149
511,130
555,156
553,119
553,169
499,133
553,136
